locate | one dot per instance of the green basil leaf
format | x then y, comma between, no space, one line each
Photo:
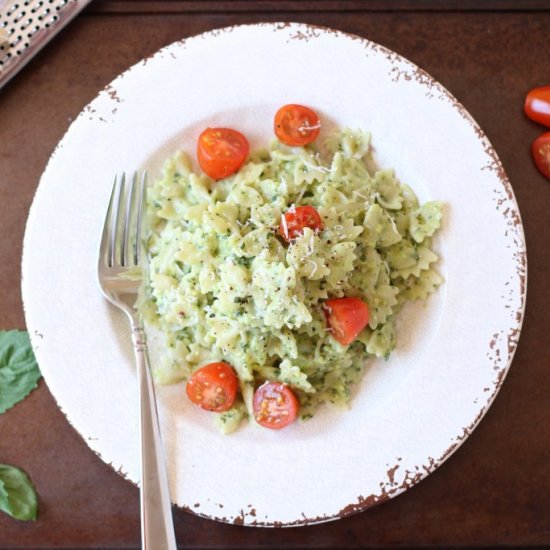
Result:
17,495
19,373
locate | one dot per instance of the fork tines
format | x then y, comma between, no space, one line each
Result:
121,239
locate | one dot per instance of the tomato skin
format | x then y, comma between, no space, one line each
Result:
296,125
540,149
275,405
294,221
221,151
213,387
346,317
537,105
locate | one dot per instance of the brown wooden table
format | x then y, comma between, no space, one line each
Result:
495,491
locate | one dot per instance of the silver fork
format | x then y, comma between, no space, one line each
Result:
120,260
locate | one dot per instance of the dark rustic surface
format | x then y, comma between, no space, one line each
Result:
495,490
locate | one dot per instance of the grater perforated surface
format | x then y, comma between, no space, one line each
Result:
28,25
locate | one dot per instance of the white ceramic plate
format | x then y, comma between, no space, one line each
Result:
411,412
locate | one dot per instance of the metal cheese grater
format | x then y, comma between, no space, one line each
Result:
28,25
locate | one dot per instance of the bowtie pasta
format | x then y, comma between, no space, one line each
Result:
222,284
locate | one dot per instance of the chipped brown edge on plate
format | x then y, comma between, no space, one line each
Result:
409,71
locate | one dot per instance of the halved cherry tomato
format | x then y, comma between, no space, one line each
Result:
294,221
296,125
221,151
213,387
275,405
537,105
347,317
540,149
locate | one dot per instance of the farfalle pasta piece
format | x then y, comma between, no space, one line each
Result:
425,220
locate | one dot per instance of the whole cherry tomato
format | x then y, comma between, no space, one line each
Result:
537,105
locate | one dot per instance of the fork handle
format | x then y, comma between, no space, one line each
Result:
157,528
